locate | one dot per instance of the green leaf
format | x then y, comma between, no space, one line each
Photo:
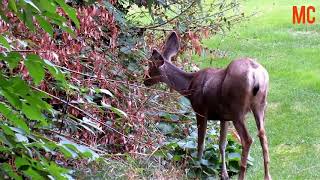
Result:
21,162
13,59
27,17
115,110
9,171
85,121
187,144
32,112
4,17
149,3
33,174
58,172
67,152
7,130
6,140
70,11
32,4
80,149
177,157
5,149
54,16
48,5
65,28
54,71
19,87
45,25
184,103
35,66
4,42
13,99
165,128
20,123
12,5
105,91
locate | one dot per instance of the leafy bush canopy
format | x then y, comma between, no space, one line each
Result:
70,79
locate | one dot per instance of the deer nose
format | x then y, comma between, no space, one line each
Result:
147,82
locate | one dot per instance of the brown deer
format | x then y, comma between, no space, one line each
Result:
218,94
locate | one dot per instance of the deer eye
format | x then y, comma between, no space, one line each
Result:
145,67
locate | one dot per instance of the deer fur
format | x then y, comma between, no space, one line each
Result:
218,94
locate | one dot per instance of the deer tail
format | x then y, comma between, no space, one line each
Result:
256,86
255,89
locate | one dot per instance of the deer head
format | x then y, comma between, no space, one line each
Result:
156,72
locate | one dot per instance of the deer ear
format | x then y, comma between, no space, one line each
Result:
171,46
156,56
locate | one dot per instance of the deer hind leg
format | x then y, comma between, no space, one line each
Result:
259,112
246,142
202,129
222,146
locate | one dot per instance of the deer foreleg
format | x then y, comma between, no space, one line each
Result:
222,146
202,128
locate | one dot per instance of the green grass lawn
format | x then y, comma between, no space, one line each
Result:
290,53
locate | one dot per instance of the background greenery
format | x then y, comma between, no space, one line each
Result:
290,53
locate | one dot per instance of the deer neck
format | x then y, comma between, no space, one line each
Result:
176,78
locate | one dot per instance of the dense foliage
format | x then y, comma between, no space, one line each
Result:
70,80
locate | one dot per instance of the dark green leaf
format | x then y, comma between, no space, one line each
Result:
115,110
57,172
28,18
67,152
177,157
13,99
5,149
13,59
35,66
54,71
7,130
32,112
54,16
9,171
12,5
149,3
32,5
19,87
68,30
4,42
48,5
70,11
33,174
4,17
6,140
45,25
21,161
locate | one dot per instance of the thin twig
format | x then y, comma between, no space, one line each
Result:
161,24
22,51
